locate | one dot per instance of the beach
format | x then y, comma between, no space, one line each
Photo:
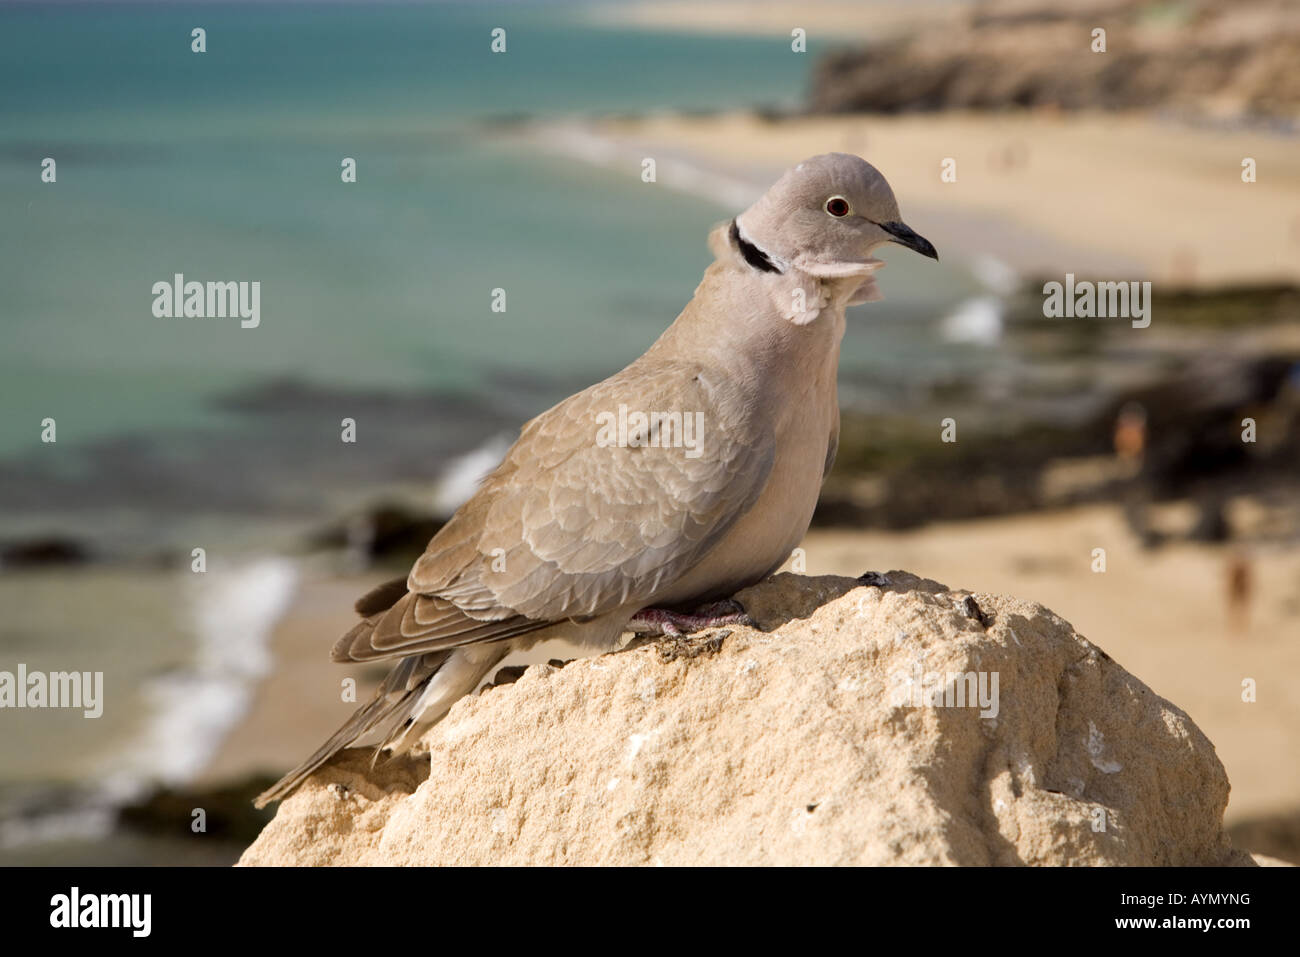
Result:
1136,196
526,175
841,20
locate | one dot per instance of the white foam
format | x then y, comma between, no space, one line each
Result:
234,611
995,275
461,478
93,821
977,321
674,170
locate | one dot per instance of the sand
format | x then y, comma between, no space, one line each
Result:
834,21
1116,197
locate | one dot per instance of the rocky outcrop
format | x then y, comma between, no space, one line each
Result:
896,723
1203,56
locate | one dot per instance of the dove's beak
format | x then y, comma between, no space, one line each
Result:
904,235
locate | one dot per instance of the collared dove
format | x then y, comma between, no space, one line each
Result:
583,537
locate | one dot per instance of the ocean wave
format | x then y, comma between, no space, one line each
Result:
92,821
234,611
674,169
461,478
976,321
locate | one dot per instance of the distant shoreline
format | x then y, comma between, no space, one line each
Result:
1122,196
835,20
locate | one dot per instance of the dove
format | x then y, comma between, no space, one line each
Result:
584,532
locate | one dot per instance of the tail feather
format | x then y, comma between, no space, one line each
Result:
416,693
393,701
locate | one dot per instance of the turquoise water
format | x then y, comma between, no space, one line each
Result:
375,301
226,165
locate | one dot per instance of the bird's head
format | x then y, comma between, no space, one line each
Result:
825,216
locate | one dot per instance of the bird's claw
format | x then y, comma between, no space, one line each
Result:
675,624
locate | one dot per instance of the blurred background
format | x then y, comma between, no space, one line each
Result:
523,171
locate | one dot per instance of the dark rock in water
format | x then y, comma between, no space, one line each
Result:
228,812
1237,305
43,552
386,532
1190,419
920,480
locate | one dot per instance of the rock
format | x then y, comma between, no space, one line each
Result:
228,812
43,552
389,531
339,816
793,744
1200,56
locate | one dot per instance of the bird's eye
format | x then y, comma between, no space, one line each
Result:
837,206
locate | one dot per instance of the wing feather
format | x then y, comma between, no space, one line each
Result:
573,526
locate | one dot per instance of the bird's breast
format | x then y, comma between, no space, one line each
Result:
804,424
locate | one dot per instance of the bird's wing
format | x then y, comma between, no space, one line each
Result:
573,524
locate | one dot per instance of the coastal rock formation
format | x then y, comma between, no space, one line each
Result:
816,738
1201,55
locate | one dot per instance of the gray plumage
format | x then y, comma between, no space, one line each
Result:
570,537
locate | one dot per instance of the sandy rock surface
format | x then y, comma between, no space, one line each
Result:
816,738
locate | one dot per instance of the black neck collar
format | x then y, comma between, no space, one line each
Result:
753,255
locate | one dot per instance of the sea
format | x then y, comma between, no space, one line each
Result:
130,439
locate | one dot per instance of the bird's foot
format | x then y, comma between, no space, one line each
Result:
674,624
